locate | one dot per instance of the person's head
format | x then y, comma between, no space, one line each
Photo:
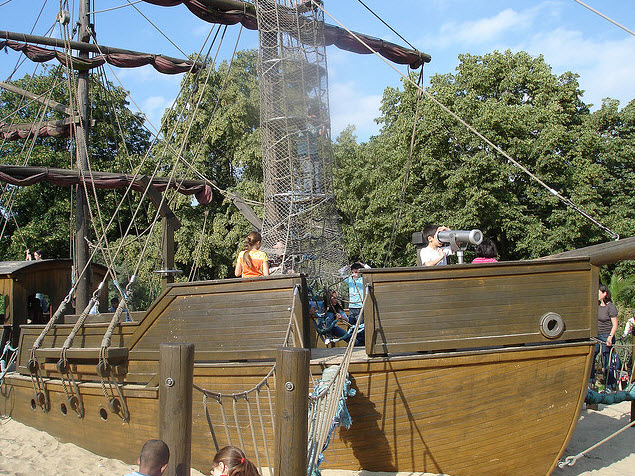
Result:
252,241
430,235
154,458
39,254
114,302
604,295
33,302
356,267
487,249
231,461
331,299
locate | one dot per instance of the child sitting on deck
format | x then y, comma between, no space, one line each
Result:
327,321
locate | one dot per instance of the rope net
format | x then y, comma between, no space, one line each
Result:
301,229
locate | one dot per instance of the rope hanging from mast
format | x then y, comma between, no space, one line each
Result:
558,195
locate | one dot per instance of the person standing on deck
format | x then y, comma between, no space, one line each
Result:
37,255
355,291
252,262
486,252
435,253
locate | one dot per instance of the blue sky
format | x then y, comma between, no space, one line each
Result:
570,37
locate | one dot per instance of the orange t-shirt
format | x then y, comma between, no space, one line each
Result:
257,259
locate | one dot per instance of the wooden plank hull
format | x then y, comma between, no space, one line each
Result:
500,412
433,394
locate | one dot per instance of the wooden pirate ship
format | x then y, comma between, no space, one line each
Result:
466,369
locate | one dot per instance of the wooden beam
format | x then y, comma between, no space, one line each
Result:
39,98
61,123
604,253
292,406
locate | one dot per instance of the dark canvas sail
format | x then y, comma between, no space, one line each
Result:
231,12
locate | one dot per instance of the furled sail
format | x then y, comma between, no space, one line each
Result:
231,12
23,176
121,60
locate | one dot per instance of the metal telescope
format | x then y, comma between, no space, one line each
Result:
459,239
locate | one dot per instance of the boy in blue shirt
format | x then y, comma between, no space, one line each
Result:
355,292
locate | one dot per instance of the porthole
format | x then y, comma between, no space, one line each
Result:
33,404
552,325
103,414
63,409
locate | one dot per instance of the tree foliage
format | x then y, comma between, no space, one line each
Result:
219,137
449,176
40,216
457,179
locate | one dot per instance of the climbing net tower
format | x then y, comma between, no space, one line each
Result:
301,229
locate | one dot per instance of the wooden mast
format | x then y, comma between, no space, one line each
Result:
82,132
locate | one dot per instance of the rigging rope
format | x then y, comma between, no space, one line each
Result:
406,178
605,17
129,4
571,460
562,198
389,27
326,401
132,4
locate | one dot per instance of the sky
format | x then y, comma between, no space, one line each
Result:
569,36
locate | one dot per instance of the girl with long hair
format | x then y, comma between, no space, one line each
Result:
252,262
231,461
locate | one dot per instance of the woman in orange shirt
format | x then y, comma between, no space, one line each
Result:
252,262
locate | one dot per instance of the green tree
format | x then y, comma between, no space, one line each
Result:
41,214
220,138
455,178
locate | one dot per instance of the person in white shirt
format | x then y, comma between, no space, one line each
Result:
435,253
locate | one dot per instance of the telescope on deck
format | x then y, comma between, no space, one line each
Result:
457,239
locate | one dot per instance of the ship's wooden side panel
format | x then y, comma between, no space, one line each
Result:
458,415
90,336
478,305
110,437
225,320
455,414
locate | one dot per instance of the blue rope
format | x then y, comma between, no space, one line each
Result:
342,416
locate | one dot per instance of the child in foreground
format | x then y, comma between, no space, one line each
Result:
231,461
153,459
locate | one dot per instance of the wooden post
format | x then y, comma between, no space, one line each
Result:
292,405
176,374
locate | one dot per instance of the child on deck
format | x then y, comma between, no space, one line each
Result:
355,291
252,262
435,253
486,252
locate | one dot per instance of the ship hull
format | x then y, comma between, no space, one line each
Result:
503,412
489,392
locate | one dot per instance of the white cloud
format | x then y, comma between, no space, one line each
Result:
350,106
604,66
486,29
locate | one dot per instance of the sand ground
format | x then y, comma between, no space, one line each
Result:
26,451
